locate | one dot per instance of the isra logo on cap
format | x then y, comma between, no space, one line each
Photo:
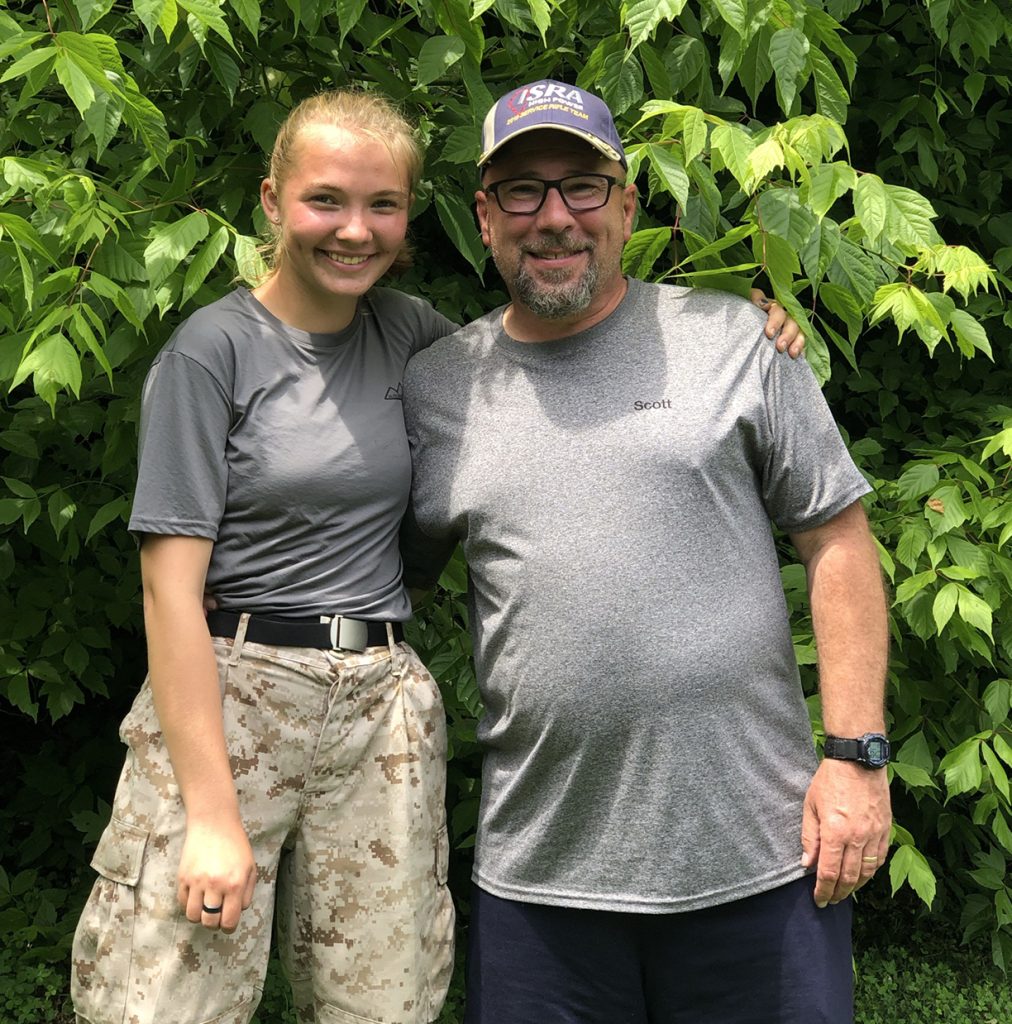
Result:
550,104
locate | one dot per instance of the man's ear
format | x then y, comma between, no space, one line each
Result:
629,198
481,208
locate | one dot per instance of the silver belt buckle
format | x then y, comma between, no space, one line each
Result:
348,634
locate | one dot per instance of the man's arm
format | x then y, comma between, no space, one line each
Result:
847,817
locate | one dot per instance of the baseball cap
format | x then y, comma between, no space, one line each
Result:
550,104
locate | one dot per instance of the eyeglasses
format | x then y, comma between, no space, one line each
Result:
580,192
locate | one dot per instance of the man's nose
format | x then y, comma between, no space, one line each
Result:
554,215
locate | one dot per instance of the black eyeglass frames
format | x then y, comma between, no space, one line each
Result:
580,192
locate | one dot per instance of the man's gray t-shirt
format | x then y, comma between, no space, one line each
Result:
287,449
647,743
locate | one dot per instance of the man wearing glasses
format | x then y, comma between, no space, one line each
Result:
657,841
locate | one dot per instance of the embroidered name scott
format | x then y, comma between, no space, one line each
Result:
661,403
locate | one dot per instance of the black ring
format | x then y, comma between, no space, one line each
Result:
211,910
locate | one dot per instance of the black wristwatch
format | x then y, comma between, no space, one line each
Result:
871,750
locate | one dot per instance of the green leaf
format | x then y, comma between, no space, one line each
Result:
970,333
157,14
998,700
61,510
781,213
962,767
974,611
349,13
641,17
436,56
1002,748
871,204
944,605
853,269
203,263
205,16
764,159
248,261
909,307
249,14
734,12
53,365
820,250
19,442
91,11
826,184
643,250
103,119
171,244
457,219
913,775
734,145
733,237
118,508
998,774
906,590
831,98
75,81
788,53
621,81
693,133
671,172
916,480
909,865
36,59
945,509
454,18
908,217
20,488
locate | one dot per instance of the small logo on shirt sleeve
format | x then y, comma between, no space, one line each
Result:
395,394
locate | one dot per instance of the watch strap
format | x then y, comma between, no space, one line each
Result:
842,749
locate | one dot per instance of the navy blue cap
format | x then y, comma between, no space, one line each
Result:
550,104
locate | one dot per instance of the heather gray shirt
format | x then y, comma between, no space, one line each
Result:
287,449
647,743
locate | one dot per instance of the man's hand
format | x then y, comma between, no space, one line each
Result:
790,338
216,871
845,827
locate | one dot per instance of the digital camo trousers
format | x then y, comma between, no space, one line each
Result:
339,760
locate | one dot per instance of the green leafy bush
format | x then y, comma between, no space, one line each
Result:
772,139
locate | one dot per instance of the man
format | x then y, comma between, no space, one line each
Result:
657,841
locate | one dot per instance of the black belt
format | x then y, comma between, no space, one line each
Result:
339,632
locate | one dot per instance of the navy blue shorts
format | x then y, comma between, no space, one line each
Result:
773,958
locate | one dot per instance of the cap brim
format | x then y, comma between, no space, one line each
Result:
602,147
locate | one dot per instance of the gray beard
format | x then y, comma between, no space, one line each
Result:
553,303
556,303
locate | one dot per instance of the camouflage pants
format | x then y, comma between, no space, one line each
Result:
339,763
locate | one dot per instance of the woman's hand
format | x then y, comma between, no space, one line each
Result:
217,874
790,339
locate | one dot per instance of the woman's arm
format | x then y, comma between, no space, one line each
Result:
217,866
779,325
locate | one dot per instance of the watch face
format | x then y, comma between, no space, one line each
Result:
876,750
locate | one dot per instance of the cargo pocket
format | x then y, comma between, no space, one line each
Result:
104,939
120,852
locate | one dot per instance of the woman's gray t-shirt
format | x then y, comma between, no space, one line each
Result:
287,449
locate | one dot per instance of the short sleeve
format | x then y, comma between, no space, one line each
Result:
808,475
182,473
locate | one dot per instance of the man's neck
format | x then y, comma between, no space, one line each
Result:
523,325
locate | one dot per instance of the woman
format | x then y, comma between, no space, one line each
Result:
286,756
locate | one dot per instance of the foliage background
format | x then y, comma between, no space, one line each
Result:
849,154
